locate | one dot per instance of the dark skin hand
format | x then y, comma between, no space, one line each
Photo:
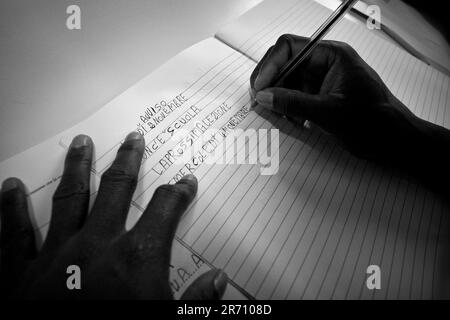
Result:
114,263
336,90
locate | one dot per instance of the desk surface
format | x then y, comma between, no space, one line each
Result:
51,77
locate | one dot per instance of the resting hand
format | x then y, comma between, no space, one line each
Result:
114,263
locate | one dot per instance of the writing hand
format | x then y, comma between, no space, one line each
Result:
335,89
114,263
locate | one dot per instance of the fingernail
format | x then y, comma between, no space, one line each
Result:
133,136
220,283
10,184
189,177
265,99
80,141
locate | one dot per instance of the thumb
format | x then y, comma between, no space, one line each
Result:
209,286
295,103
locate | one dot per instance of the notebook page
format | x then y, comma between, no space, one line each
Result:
314,233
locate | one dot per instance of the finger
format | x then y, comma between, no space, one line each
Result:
284,49
71,198
209,286
117,187
255,73
17,242
258,67
293,103
156,227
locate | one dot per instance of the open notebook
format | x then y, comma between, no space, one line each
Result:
312,229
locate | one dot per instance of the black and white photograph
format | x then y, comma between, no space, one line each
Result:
237,157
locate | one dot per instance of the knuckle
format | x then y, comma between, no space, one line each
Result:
176,192
164,189
132,146
11,236
339,44
182,192
71,187
78,155
24,232
284,39
13,199
119,175
342,47
140,247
